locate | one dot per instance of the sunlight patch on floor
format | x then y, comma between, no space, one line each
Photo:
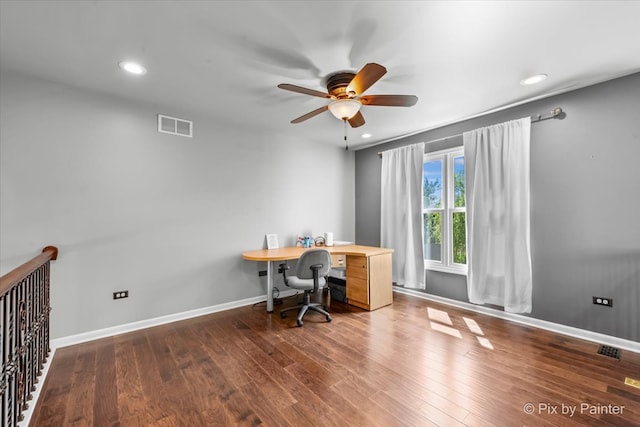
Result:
446,329
485,343
473,326
439,316
441,322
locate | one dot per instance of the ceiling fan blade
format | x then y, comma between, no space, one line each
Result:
389,100
357,120
368,75
303,90
311,114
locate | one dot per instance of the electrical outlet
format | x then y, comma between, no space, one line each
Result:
603,301
121,294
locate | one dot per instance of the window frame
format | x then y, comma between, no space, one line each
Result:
448,208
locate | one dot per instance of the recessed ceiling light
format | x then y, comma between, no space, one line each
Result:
533,79
366,135
133,68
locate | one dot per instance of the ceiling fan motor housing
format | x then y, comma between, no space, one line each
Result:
337,85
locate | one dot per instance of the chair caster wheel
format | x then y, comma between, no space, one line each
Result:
328,318
299,322
283,315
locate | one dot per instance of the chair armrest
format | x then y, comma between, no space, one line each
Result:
284,267
316,279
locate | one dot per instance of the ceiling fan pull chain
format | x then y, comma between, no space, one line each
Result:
346,144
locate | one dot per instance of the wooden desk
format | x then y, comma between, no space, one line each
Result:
368,271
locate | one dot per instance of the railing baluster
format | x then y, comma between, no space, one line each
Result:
24,333
13,353
3,356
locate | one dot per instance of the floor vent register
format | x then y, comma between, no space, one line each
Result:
607,350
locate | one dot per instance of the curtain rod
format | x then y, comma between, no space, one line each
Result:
534,119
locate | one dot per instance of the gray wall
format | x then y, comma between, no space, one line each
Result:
585,198
163,216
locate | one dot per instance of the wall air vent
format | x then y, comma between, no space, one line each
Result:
175,126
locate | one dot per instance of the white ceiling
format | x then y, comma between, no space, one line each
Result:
225,59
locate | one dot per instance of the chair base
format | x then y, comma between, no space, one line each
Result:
306,306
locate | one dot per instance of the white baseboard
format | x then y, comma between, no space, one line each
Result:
596,337
148,323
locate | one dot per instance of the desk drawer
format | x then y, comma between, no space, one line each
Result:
338,260
357,267
357,290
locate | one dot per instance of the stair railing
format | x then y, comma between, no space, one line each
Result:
24,333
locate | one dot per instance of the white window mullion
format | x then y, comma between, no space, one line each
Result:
445,215
450,205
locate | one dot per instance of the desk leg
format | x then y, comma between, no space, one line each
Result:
269,286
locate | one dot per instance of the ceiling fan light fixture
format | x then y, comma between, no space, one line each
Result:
344,109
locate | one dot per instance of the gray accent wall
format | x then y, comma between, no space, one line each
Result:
165,217
585,204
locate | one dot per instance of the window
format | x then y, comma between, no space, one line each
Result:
444,212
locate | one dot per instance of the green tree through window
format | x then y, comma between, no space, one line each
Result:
432,209
444,212
459,218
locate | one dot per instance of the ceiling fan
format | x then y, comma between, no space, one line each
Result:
345,89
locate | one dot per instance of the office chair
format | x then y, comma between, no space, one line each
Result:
311,276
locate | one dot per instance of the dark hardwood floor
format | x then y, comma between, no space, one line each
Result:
415,363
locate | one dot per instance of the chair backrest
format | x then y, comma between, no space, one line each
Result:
312,257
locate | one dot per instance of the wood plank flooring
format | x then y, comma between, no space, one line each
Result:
415,363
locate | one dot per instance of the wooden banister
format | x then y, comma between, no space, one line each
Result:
24,334
9,280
